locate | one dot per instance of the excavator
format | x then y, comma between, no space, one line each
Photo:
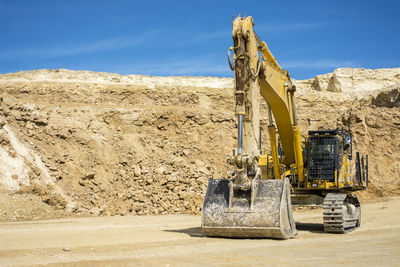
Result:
256,202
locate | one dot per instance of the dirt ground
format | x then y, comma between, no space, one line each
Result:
176,240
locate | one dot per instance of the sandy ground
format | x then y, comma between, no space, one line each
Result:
176,240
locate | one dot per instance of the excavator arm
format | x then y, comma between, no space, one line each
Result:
248,205
258,73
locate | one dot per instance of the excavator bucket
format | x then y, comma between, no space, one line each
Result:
264,211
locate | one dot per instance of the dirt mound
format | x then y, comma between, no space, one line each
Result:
99,143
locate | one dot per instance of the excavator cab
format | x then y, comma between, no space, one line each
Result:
330,158
323,155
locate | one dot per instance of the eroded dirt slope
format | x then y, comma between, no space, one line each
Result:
79,142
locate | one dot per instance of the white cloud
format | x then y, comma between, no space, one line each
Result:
108,44
80,48
205,65
287,27
318,64
207,36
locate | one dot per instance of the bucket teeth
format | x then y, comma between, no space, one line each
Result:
262,212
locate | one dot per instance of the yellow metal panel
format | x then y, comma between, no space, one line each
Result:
273,91
298,153
263,164
274,151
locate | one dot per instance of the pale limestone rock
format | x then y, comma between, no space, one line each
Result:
334,84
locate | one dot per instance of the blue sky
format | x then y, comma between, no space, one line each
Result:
192,37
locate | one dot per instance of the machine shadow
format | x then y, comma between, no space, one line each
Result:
196,231
192,232
310,227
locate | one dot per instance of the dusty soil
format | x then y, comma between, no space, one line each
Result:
78,143
176,240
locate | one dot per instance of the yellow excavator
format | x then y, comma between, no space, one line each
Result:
256,202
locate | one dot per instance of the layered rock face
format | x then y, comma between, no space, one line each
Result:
79,142
356,82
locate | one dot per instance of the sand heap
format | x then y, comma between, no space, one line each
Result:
80,142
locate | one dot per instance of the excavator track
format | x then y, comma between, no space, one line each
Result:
341,212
